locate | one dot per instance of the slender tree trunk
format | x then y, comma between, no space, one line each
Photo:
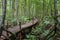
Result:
10,1
29,8
16,12
4,2
55,14
4,10
44,8
13,8
25,7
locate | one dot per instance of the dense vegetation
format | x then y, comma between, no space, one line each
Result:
25,10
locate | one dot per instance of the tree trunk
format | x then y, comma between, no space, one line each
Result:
13,8
4,2
16,12
55,14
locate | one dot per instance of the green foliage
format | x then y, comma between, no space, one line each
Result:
31,37
28,9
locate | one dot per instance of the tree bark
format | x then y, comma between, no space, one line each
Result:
4,2
55,14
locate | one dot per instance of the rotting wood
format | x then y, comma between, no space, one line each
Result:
16,29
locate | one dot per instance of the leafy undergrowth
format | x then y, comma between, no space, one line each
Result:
13,21
39,32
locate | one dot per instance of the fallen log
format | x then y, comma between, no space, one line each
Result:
16,29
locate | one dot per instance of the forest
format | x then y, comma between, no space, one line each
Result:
29,19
